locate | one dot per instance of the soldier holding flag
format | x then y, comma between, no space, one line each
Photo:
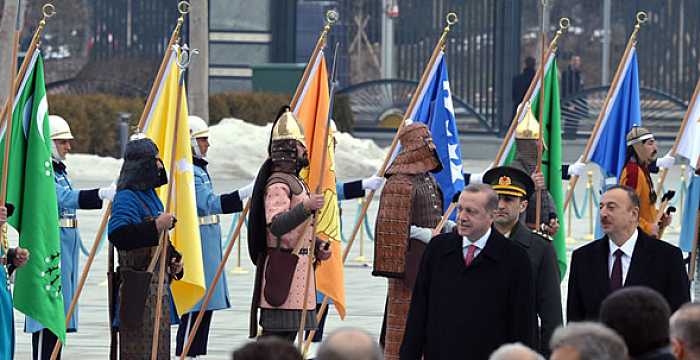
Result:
209,206
69,199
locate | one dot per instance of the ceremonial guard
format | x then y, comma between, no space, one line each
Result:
526,138
280,235
410,207
514,187
209,206
641,153
135,229
10,258
69,200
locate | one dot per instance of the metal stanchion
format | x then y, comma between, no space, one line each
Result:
362,259
238,269
569,235
589,188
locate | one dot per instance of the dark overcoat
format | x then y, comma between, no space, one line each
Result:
460,312
545,274
655,264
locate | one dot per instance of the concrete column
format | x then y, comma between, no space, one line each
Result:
605,64
198,79
387,71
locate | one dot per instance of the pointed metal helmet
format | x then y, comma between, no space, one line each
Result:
529,128
288,127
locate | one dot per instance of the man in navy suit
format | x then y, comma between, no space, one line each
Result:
625,256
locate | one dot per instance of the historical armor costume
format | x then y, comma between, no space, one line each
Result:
133,231
526,138
280,236
410,201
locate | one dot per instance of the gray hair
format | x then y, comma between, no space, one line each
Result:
349,344
593,341
491,196
685,326
515,351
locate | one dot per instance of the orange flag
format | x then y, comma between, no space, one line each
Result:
312,109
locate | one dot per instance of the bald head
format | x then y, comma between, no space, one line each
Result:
349,344
515,351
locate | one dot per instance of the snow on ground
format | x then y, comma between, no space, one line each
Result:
237,150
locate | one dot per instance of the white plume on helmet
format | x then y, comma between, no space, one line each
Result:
198,129
59,130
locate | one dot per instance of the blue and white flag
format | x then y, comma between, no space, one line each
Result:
434,108
689,223
622,112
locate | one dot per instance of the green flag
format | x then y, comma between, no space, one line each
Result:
32,190
551,156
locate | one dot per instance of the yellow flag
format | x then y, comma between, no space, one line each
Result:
160,127
312,109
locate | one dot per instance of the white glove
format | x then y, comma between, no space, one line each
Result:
246,191
373,183
477,178
421,233
577,169
666,162
107,193
449,226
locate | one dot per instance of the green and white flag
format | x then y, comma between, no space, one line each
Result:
32,190
552,152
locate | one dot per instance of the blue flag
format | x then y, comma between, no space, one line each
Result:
623,112
690,212
435,109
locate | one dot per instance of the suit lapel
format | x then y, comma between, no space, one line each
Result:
635,273
600,266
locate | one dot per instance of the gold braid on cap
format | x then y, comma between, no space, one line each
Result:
288,127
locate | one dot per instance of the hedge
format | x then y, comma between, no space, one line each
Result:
94,118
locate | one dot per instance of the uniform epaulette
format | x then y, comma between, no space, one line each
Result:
542,235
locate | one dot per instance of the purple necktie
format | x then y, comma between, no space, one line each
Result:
616,274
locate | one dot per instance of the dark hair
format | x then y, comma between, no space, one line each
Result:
530,62
640,315
267,348
631,195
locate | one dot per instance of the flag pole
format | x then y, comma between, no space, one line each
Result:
212,286
451,19
563,26
183,60
83,277
183,8
48,10
674,148
322,177
641,19
540,136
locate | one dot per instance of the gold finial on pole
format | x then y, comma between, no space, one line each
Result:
642,17
184,7
48,10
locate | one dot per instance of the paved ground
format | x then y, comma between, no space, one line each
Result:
365,294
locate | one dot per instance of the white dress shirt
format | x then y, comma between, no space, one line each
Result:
480,244
627,249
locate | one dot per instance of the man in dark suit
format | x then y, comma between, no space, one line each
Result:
625,256
514,187
473,291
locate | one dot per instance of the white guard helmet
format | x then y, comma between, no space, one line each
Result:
59,128
198,129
